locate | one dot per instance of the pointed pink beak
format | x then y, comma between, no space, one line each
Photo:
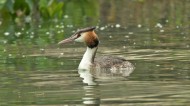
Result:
70,39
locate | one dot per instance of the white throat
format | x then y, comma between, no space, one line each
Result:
88,58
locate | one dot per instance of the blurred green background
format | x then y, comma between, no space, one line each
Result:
32,16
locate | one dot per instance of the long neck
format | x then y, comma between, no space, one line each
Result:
88,58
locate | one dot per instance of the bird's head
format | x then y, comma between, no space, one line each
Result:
86,35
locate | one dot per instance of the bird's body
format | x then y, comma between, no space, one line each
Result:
112,62
89,37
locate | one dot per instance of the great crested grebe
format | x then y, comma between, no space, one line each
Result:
90,38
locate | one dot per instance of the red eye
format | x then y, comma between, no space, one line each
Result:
79,35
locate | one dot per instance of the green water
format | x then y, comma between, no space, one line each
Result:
35,71
32,75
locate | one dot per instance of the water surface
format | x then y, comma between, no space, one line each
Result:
153,35
48,75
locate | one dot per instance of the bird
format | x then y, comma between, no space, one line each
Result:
89,60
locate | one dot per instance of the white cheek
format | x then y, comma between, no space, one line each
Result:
80,39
